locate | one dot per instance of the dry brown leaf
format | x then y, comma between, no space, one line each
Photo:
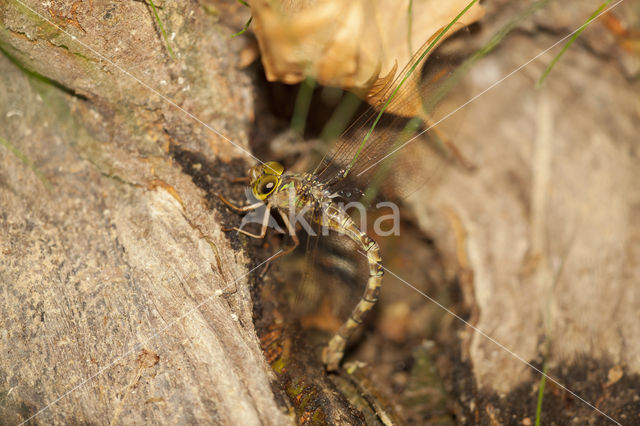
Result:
357,45
248,55
615,374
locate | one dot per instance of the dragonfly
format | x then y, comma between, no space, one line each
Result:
363,156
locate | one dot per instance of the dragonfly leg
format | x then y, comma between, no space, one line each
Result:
240,208
333,352
294,237
247,233
263,229
292,233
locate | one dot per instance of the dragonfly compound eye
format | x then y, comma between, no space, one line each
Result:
265,186
273,168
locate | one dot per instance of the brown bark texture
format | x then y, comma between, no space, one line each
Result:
544,233
550,214
123,301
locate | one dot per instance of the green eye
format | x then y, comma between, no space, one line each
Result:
265,186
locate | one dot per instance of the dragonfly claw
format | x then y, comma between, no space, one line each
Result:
333,352
265,269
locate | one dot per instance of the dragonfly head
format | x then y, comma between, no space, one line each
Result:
265,179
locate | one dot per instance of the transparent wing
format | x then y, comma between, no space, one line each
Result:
421,107
323,283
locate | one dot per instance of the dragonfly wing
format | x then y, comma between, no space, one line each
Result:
372,156
324,282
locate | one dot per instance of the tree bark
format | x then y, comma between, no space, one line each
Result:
122,300
544,232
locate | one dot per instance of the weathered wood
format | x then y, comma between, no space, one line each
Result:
122,301
546,227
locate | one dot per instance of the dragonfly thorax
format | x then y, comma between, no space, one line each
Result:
298,191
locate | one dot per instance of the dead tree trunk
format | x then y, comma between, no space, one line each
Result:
122,301
544,233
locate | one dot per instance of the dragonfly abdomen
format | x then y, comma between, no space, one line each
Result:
303,194
341,222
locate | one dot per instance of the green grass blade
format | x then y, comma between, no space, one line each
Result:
244,30
453,80
568,44
301,108
371,192
543,380
483,51
548,328
164,33
404,79
340,117
246,25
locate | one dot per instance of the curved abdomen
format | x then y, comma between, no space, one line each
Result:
339,221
